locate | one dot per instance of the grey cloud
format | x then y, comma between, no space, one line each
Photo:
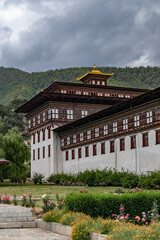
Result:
105,32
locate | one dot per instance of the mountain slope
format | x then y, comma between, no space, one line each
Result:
19,84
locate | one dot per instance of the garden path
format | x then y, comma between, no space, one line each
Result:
29,234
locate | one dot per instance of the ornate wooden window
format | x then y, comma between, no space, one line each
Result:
34,138
105,129
34,120
136,121
73,154
84,113
96,132
67,157
94,149
86,151
81,136
29,123
44,116
68,140
125,124
112,146
69,114
74,138
158,137
122,144
39,119
79,152
33,154
103,148
43,152
49,113
88,134
55,113
145,139
62,142
38,153
149,116
157,113
133,142
49,150
114,127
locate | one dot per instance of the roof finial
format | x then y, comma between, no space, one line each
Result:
94,67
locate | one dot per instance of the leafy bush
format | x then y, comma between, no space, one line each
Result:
53,216
104,205
80,231
38,178
47,203
28,200
60,178
129,180
73,218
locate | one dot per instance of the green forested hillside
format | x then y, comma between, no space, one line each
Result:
15,83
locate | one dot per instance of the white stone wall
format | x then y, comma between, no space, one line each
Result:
141,159
42,165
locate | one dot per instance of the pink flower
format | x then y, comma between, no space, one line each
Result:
122,208
146,223
152,221
143,219
112,215
138,218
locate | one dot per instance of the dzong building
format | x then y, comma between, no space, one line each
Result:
90,125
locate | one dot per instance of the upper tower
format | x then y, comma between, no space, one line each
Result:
95,77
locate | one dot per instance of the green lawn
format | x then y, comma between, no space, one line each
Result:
39,190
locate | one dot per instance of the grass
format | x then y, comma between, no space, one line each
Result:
51,190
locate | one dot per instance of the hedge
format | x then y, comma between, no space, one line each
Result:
104,205
108,177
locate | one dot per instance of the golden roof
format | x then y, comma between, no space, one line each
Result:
95,71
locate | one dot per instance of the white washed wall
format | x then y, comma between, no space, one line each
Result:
42,165
141,159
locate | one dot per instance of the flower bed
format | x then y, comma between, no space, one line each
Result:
84,227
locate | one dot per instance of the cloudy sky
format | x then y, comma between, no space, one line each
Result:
38,35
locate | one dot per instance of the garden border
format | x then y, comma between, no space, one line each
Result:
63,229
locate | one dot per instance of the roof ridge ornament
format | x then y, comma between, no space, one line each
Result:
94,67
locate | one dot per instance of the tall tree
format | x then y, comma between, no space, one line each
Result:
15,149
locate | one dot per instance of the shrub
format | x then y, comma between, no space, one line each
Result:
60,202
61,178
80,231
53,216
38,178
129,180
72,218
104,205
28,200
47,203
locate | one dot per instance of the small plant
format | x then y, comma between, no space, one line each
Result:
80,231
47,203
28,200
14,201
60,201
31,200
6,199
121,216
38,178
53,216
